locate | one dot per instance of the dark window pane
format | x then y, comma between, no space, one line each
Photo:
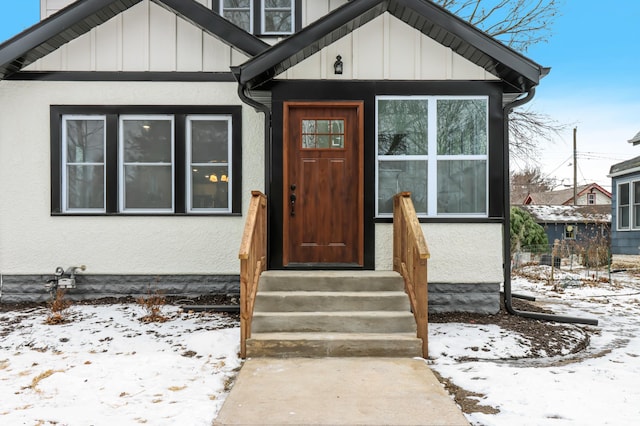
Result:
277,22
148,187
462,127
209,141
210,187
623,194
147,141
399,176
85,187
623,216
462,186
85,141
402,127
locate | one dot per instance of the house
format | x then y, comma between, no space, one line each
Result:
586,195
572,224
132,132
625,209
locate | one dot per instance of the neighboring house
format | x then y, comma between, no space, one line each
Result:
132,132
579,224
587,195
625,223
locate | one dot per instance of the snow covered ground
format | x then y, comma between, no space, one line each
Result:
598,386
106,367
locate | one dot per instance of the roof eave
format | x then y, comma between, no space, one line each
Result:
81,16
519,73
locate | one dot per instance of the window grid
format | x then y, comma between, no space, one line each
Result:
105,190
127,166
217,176
433,160
66,164
623,206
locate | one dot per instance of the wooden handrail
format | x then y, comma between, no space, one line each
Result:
253,261
410,254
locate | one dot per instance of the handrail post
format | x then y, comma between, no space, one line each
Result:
410,255
252,255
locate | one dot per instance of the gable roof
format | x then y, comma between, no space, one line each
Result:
81,16
635,140
625,167
520,73
569,214
563,196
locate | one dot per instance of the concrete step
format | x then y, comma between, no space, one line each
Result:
289,345
330,281
309,301
341,322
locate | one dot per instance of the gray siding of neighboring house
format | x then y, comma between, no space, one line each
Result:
625,241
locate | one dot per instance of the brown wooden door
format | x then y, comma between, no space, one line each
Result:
323,184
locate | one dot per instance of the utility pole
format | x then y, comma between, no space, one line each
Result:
575,167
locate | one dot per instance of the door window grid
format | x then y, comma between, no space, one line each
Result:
323,134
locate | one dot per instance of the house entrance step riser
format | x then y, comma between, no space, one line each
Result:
330,301
338,345
333,322
330,281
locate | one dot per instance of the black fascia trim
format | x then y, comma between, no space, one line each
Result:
43,38
466,35
112,112
215,25
122,76
426,17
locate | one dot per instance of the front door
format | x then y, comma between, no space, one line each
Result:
323,184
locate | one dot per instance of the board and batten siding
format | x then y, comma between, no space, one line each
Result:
35,242
387,49
145,37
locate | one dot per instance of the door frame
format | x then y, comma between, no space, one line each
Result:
359,169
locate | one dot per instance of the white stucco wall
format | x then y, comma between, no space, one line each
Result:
34,242
460,253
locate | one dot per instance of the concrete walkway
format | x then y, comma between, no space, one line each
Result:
338,391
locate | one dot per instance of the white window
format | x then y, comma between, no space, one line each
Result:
240,12
591,198
83,163
636,205
436,148
209,149
623,205
146,163
146,160
276,17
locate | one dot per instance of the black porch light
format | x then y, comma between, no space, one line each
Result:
337,66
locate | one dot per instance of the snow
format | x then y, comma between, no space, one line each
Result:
107,367
597,386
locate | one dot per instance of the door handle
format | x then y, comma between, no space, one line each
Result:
292,202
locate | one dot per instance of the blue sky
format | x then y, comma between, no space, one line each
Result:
594,54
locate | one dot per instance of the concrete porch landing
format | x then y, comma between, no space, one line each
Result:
338,391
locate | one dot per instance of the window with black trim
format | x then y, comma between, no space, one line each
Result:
262,17
146,160
436,147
